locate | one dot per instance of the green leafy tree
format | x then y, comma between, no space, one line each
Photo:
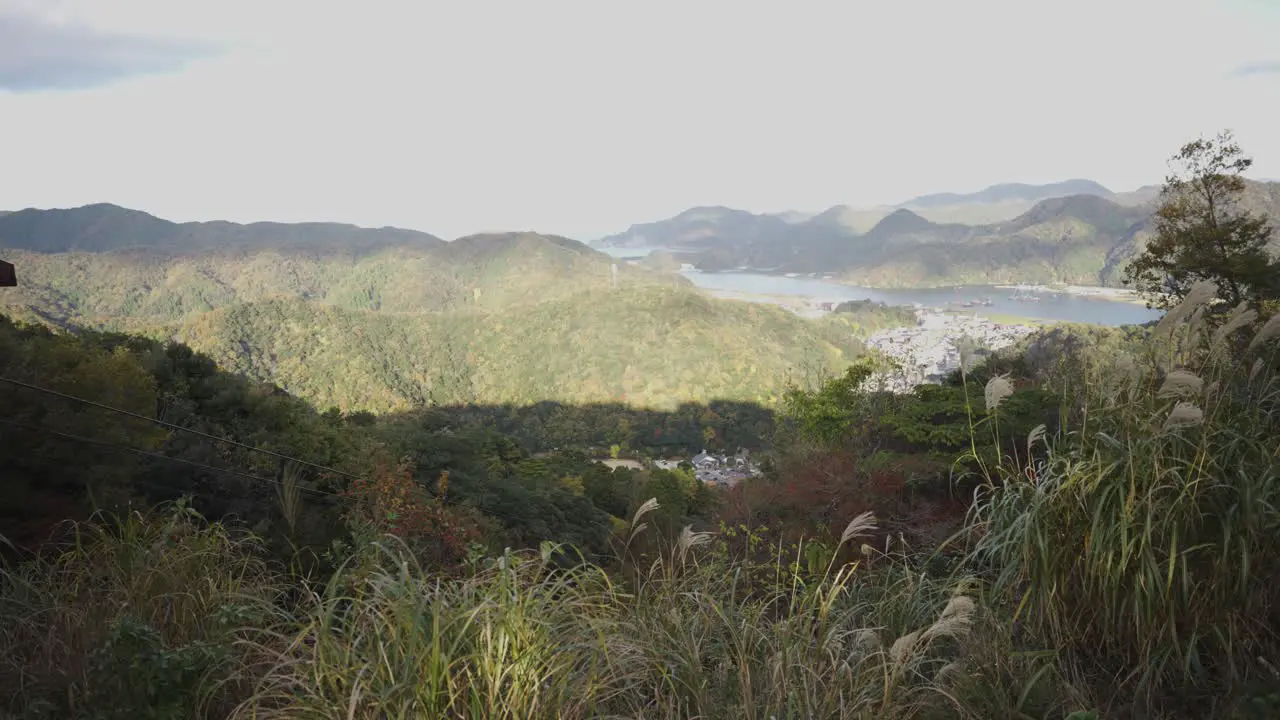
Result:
831,412
1201,233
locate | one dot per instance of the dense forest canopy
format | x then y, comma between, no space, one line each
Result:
488,319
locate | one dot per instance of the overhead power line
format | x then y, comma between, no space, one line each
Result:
162,423
158,456
180,428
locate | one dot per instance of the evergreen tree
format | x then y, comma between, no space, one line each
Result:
1201,233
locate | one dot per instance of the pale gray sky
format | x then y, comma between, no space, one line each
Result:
581,118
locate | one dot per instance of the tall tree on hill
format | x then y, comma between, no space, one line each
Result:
1202,234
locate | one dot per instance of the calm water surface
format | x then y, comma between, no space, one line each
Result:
1051,306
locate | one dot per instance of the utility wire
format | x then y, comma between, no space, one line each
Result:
65,396
170,488
158,456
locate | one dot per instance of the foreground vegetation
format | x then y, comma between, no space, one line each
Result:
1112,564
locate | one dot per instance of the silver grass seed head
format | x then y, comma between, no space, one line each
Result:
690,539
1241,317
1200,295
1197,297
966,346
1181,383
1184,414
998,388
903,646
1036,436
863,524
1269,330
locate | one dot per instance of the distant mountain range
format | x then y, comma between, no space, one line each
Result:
103,227
1011,191
1075,231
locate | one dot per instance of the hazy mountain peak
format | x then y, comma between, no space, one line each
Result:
793,217
1101,213
711,213
529,241
1006,192
900,221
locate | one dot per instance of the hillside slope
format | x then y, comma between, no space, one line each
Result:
645,346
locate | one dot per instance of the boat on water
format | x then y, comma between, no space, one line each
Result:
1024,293
971,302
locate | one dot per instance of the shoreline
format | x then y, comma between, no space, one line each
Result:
1087,291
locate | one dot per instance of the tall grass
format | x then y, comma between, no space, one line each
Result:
523,638
133,617
1129,553
1144,537
171,617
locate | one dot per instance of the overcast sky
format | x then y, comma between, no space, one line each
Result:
581,118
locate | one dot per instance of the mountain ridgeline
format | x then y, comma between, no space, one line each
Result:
384,320
105,227
1071,232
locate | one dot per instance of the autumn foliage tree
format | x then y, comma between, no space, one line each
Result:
389,501
1202,232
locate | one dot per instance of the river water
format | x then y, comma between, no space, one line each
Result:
1051,306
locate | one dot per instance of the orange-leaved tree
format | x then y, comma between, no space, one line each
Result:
389,501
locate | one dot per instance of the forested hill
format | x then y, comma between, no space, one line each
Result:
496,318
103,227
649,347
63,457
138,286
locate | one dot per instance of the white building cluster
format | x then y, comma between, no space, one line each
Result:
931,349
716,469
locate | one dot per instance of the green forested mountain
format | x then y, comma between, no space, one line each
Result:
157,285
651,347
103,226
1058,240
1007,233
498,318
